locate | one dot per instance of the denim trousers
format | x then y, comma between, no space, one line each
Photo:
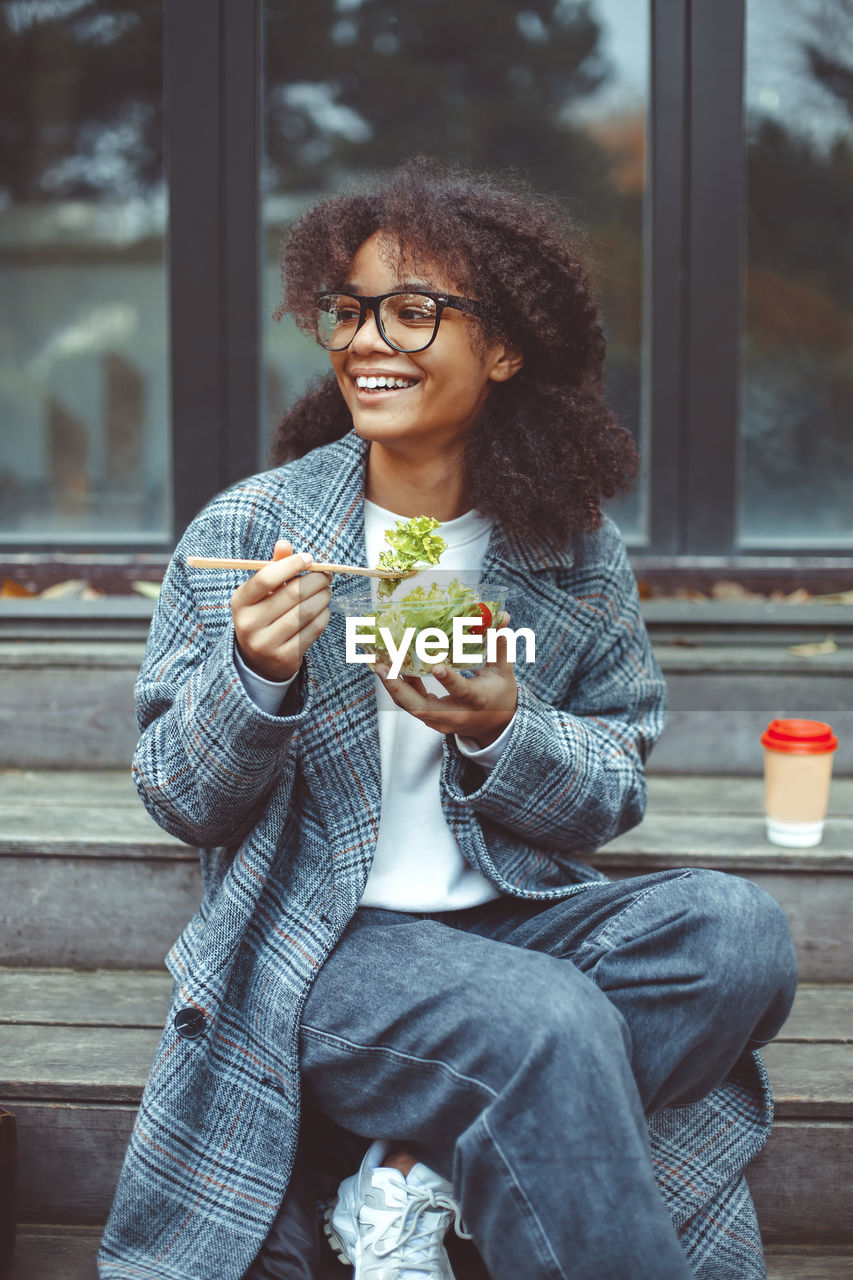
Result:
517,1048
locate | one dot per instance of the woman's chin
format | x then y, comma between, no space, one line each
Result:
371,427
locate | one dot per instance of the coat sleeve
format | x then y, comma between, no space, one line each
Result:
208,756
572,776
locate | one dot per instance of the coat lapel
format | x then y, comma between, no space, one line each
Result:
536,598
323,513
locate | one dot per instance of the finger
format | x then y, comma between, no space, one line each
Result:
270,578
416,683
310,632
281,549
458,688
292,599
292,621
307,585
293,591
287,595
404,694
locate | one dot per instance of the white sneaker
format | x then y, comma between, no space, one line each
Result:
390,1227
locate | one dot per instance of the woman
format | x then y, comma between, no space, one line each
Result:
399,924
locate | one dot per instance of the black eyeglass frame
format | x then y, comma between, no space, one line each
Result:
374,303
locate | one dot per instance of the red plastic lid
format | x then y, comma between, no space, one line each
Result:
800,737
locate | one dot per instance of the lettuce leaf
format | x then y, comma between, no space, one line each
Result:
412,542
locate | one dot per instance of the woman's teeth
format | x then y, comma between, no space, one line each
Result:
383,383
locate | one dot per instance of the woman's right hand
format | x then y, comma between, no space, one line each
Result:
279,612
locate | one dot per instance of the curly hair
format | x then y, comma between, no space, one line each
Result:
546,450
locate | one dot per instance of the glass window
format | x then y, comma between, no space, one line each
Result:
797,405
557,91
84,398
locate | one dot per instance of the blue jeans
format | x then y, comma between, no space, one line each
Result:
517,1048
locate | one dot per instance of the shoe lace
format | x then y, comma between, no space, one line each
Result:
419,1202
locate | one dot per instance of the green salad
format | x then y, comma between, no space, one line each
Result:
412,542
436,607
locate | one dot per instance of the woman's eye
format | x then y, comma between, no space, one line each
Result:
416,312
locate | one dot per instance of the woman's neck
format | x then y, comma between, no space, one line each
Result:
432,487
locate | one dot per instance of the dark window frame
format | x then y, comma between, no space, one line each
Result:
212,89
695,235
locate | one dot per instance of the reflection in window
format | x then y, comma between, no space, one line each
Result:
83,320
557,92
797,441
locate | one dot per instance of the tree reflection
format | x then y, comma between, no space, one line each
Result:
83,358
488,83
798,374
354,86
80,98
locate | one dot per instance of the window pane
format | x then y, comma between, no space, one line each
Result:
560,93
797,440
83,315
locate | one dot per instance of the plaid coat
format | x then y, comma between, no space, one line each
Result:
285,811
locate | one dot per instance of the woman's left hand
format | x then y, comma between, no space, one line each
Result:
479,707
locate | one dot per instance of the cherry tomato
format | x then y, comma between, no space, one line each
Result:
485,621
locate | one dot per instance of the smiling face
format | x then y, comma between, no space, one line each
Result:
428,398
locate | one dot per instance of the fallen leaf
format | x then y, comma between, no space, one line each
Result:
800,596
11,590
835,597
815,649
725,590
64,590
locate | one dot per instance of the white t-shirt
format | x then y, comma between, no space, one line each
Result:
418,865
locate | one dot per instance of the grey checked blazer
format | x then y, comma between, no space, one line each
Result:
285,811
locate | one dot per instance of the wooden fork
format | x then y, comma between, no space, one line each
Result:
207,562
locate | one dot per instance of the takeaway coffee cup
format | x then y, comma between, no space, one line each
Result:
797,768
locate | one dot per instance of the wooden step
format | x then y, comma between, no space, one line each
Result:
75,1049
809,1264
90,880
67,705
68,1253
55,1253
718,822
721,697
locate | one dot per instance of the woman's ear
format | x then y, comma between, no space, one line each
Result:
508,360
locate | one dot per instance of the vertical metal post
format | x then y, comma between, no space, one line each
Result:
212,89
192,38
716,198
241,164
666,271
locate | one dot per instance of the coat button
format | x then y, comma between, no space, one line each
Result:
190,1023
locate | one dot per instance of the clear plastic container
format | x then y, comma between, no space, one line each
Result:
437,612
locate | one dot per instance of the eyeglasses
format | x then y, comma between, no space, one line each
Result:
406,321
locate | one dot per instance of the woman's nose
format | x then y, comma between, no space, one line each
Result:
368,337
